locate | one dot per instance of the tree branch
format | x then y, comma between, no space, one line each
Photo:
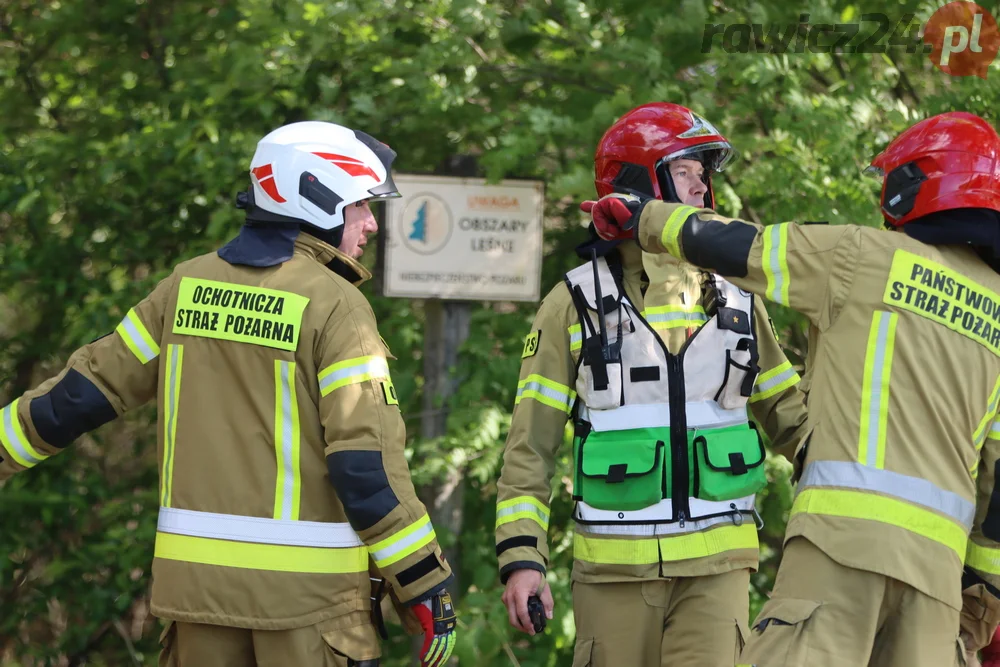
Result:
23,70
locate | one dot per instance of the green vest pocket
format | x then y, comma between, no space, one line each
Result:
730,462
622,470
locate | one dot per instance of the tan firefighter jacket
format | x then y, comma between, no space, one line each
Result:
280,440
903,385
626,528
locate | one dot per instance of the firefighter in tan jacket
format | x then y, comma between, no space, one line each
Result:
655,361
280,442
903,375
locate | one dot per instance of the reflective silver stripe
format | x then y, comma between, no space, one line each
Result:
875,405
257,530
287,442
675,316
700,414
523,507
995,431
20,447
375,367
770,383
137,339
661,511
658,529
548,392
576,338
403,544
914,490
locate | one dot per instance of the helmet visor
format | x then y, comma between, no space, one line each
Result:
714,155
874,172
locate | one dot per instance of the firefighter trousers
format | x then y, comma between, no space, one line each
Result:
824,614
670,622
346,641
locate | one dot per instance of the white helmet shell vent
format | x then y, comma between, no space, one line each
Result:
310,171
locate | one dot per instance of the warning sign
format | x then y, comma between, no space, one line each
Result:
459,238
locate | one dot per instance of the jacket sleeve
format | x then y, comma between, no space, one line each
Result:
545,397
365,439
777,403
100,382
809,268
981,581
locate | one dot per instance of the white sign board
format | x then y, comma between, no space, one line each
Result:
459,238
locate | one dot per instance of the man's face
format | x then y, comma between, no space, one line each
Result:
359,222
687,175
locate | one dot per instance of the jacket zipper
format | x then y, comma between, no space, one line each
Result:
678,438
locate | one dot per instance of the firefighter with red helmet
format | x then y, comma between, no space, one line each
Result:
655,362
283,481
891,551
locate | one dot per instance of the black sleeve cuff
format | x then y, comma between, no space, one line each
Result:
510,568
970,578
440,588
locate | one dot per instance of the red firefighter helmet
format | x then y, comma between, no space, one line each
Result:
633,154
947,161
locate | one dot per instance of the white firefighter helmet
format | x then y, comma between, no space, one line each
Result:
309,171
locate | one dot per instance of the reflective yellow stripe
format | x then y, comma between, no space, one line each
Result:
288,481
773,382
523,507
980,434
400,545
271,557
671,234
662,318
14,441
617,551
774,262
239,313
875,389
546,391
984,559
171,395
137,338
352,371
575,337
872,507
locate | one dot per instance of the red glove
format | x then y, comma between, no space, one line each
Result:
437,617
616,216
991,654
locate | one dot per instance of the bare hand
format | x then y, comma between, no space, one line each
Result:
521,585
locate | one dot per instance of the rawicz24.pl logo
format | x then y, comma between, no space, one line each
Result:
960,38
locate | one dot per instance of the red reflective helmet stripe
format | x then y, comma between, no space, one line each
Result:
351,165
265,178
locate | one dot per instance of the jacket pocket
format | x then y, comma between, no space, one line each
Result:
168,656
779,637
583,653
352,641
740,374
622,470
741,642
600,392
730,462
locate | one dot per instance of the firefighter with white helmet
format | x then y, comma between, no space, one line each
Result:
283,481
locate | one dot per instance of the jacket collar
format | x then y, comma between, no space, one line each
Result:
343,265
270,245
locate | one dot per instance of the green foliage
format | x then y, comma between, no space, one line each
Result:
127,129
